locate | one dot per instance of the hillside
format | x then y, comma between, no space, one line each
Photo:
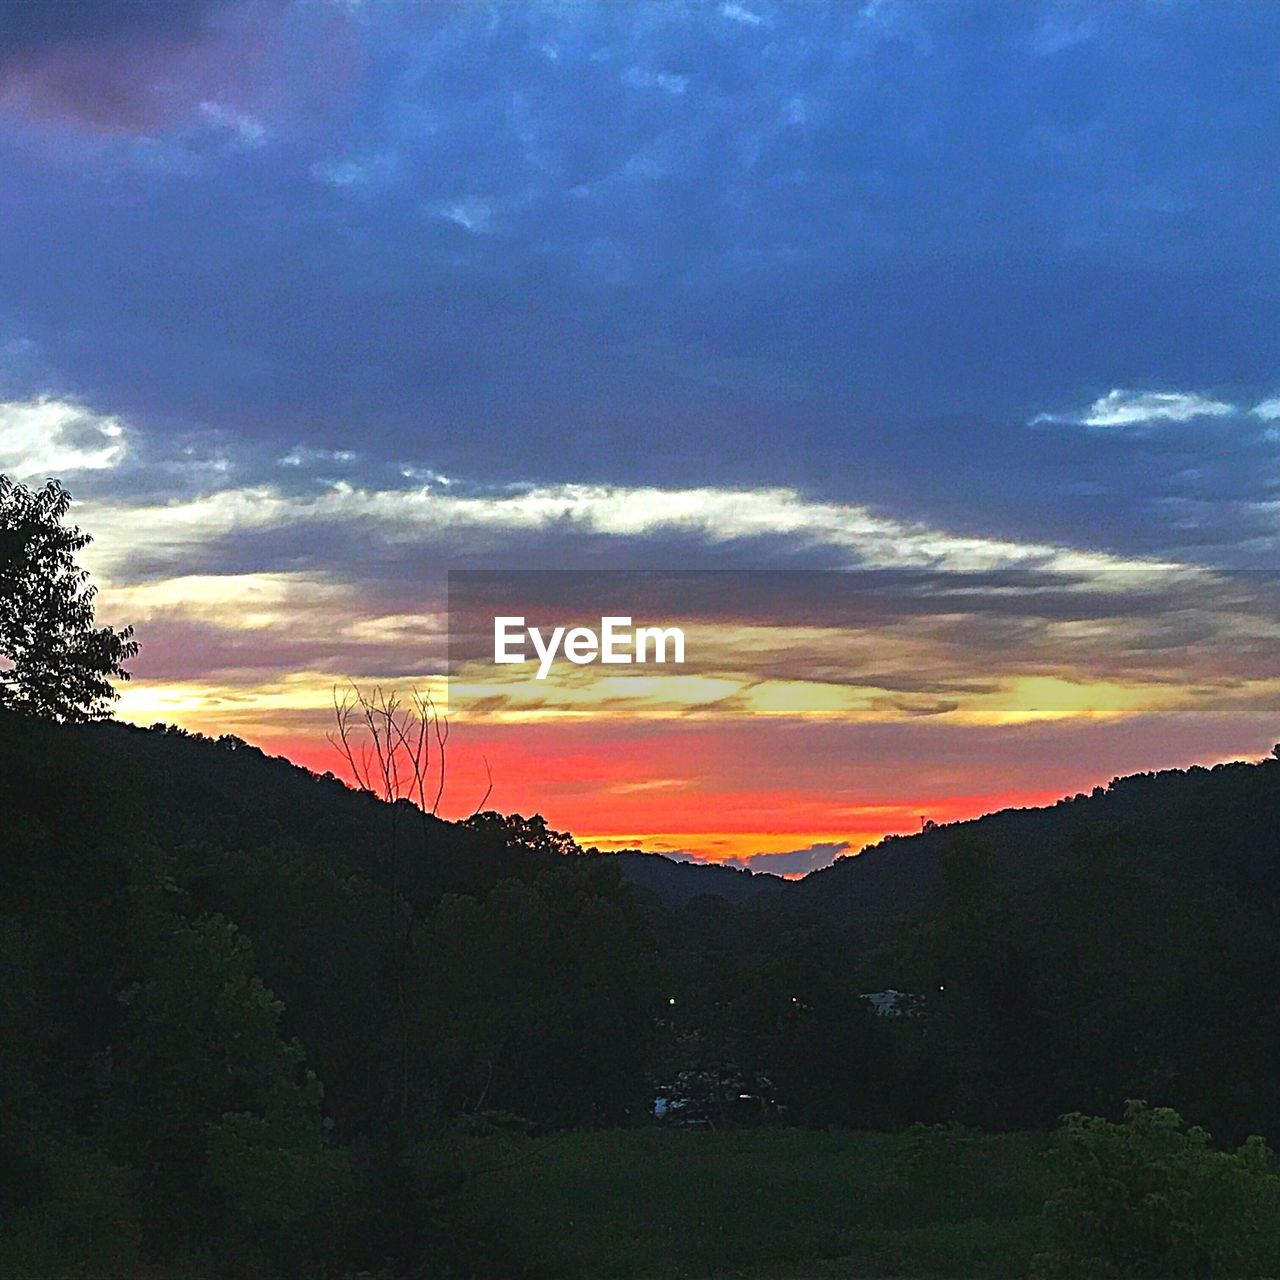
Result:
236,995
1219,824
174,784
676,883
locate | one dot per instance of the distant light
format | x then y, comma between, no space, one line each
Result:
672,1000
942,988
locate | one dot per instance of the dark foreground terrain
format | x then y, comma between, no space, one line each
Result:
256,1025
777,1202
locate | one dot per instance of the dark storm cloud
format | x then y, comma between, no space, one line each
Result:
106,62
30,30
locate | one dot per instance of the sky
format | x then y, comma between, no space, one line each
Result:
310,301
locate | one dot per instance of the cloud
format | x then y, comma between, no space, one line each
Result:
363,174
464,308
248,130
304,455
793,861
471,213
643,78
740,13
341,519
1063,30
1123,408
1120,408
1267,410
49,437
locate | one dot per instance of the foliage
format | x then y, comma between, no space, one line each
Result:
539,1000
219,1113
76,1217
520,832
1150,1197
179,917
55,661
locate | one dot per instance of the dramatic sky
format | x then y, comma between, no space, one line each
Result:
310,301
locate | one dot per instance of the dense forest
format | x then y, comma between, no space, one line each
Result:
247,1010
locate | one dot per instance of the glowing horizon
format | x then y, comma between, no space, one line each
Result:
809,740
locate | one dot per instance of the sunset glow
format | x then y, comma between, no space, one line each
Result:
306,319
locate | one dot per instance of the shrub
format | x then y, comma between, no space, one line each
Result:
1150,1197
80,1220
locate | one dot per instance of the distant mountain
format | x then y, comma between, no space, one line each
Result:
1220,825
676,883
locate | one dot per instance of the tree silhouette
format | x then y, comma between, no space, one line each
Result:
54,662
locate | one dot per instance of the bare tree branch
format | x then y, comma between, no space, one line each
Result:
488,791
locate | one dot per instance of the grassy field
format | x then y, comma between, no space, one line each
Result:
651,1204
780,1203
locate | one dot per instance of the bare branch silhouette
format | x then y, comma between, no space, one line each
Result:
488,791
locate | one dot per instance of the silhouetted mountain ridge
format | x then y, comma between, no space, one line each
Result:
1221,823
675,883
